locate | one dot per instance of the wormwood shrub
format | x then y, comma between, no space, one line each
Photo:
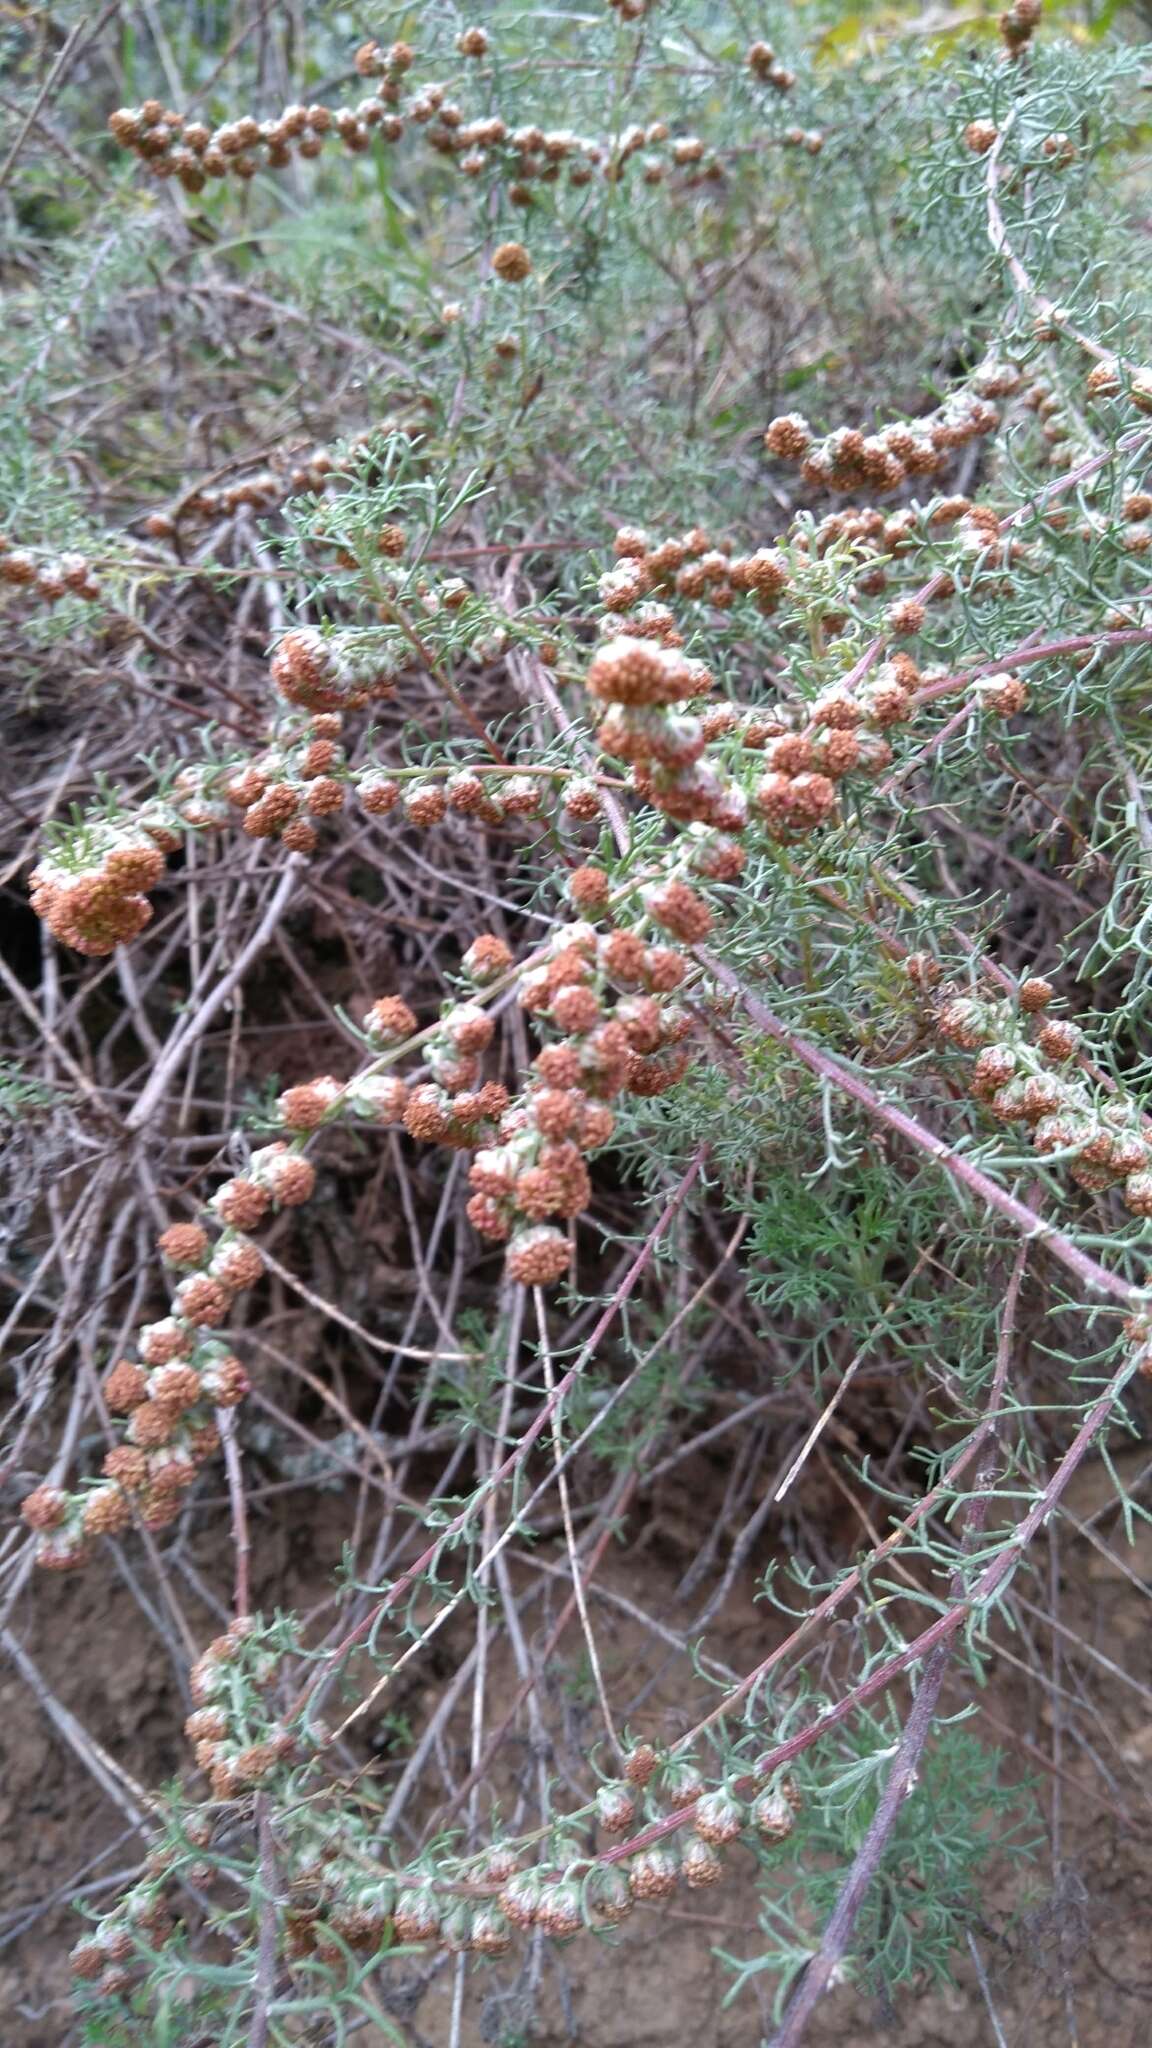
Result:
680,569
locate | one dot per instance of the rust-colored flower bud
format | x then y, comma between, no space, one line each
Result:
241,1203
125,1386
653,1874
45,1508
1035,993
536,1257
1059,1040
615,1808
184,1244
389,1021
511,262
640,1763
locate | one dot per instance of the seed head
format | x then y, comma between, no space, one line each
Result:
128,1466
469,1028
582,801
159,1342
237,1265
45,1508
680,910
653,1874
152,1424
417,1916
520,1898
390,1021
177,1386
538,1256
105,1512
608,1895
964,1023
305,1107
291,1179
224,1382
126,1386
241,1203
379,794
201,1301
323,795
575,1010
994,1068
699,1864
789,437
615,1808
1002,693
979,136
640,1763
772,1815
425,803
1035,993
719,1818
1059,1040
511,262
558,1910
633,671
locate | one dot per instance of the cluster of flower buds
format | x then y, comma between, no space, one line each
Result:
692,565
641,687
975,530
339,673
1065,442
480,1905
1109,378
523,157
484,1901
571,1893
453,1107
603,1002
183,1368
849,460
528,156
114,1957
1018,25
763,63
47,578
490,797
235,1736
193,152
237,1740
338,1896
1033,1079
296,778
842,732
261,491
681,760
91,889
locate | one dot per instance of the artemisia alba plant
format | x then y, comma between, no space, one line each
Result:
732,713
